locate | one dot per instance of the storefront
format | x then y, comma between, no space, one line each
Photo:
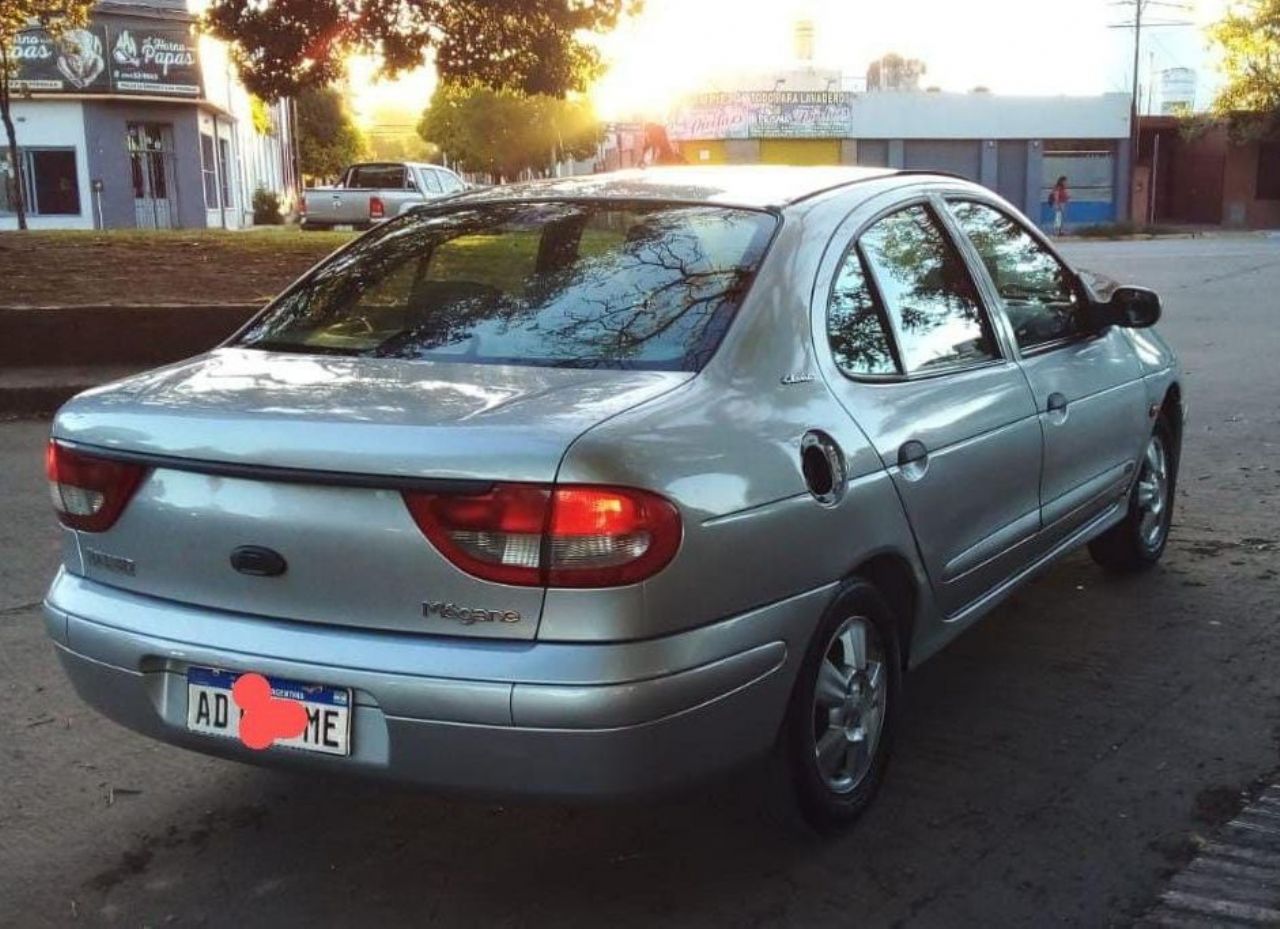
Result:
137,122
1017,146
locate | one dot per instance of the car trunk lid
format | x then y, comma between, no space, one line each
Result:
306,457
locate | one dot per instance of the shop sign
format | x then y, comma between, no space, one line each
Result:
778,114
108,59
161,62
71,63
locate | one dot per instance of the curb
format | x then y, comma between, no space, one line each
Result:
115,334
1234,880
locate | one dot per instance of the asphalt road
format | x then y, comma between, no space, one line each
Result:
1059,759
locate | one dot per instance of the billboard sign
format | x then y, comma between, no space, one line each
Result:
72,63
101,59
771,114
161,62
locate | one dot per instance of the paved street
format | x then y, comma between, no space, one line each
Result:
1059,761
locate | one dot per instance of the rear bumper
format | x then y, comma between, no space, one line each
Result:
540,718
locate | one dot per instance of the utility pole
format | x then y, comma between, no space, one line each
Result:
1137,25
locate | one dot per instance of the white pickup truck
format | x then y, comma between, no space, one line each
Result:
375,191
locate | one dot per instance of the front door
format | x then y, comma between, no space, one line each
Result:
1087,386
925,374
151,160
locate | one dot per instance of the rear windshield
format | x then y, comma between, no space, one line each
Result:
599,285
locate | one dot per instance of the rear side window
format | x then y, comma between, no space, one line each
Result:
857,327
431,181
1037,293
604,284
928,294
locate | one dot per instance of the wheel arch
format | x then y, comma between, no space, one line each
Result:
892,574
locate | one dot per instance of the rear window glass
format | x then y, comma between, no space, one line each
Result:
604,285
378,177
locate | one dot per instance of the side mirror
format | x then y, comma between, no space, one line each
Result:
1130,307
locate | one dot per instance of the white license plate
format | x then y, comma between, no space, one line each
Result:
211,711
344,227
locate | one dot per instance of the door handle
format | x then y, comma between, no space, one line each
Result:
912,452
1057,403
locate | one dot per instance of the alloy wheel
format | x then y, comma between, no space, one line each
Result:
849,704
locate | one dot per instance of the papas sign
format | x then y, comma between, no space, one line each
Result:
160,62
153,61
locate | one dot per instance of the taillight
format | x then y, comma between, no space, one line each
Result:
376,208
567,536
89,492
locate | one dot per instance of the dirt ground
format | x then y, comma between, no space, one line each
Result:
195,266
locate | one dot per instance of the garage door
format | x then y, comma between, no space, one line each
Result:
953,156
800,151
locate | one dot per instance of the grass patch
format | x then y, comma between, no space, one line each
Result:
79,268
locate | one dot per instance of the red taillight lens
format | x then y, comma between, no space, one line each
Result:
88,492
376,208
569,536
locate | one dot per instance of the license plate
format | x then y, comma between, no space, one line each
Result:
344,227
211,711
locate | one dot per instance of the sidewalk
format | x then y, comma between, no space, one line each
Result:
1235,879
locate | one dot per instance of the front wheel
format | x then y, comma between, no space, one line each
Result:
1137,542
844,709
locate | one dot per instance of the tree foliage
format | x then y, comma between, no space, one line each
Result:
894,72
1249,38
535,46
328,138
53,16
504,132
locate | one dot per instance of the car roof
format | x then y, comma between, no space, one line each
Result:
752,186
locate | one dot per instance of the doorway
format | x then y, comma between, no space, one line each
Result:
151,162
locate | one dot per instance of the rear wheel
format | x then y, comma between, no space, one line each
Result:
1137,542
844,709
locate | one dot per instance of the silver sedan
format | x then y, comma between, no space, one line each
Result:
600,485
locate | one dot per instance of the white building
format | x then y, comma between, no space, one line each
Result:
138,122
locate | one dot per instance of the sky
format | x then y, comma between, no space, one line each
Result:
1009,46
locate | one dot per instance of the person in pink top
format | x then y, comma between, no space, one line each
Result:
1058,199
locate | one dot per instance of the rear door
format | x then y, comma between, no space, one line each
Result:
917,362
1088,391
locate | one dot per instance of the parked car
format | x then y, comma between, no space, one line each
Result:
374,192
605,484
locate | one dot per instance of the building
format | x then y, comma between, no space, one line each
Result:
1201,176
136,121
1017,146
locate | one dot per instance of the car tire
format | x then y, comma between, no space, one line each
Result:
841,702
1137,542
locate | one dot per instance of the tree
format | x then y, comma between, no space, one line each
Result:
328,138
1249,37
503,132
535,46
893,72
56,18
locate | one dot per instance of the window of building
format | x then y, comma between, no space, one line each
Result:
209,168
1089,167
1269,171
930,298
50,182
857,327
224,171
1038,296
